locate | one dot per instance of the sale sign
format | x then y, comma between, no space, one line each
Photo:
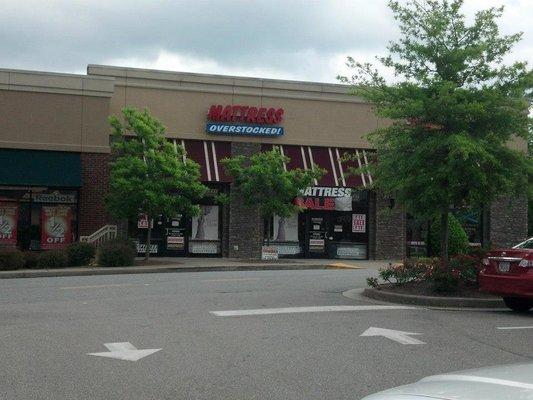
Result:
359,223
8,225
55,227
142,222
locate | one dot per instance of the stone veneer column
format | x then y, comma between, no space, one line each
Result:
390,228
245,223
508,221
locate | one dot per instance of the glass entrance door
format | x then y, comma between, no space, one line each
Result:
316,235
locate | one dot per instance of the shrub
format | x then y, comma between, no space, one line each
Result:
411,270
445,281
53,259
11,259
457,237
31,259
80,253
467,267
373,283
116,253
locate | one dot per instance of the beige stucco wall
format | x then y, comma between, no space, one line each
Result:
315,114
49,111
46,111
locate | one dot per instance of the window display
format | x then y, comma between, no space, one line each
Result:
55,227
205,231
205,225
8,224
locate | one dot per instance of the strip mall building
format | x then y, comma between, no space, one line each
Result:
54,152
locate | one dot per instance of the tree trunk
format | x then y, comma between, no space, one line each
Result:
148,240
444,228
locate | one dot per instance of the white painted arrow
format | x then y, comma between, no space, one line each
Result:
124,351
398,336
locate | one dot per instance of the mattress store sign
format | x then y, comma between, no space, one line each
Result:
325,198
244,120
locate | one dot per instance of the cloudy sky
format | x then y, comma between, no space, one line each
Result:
288,39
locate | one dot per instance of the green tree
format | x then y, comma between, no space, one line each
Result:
261,180
148,175
454,107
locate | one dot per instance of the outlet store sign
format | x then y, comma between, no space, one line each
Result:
244,120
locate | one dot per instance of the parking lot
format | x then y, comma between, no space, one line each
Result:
234,335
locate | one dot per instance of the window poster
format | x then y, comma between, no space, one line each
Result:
142,222
359,223
55,227
175,242
8,224
205,225
285,229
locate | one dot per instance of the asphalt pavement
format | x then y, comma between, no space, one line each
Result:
233,335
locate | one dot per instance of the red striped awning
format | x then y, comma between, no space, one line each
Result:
330,159
208,154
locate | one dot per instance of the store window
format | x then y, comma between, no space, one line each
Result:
38,218
284,235
205,231
471,221
416,235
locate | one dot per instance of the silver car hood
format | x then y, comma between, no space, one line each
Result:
505,382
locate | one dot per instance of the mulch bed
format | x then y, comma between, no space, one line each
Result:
425,289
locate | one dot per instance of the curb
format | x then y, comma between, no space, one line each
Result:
432,301
343,266
46,273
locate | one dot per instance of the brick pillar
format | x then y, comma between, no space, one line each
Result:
95,181
225,228
508,221
390,228
371,225
245,223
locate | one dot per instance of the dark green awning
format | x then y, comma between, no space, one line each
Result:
40,168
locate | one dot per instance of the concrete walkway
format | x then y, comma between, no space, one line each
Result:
196,264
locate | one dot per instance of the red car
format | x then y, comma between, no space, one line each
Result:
509,273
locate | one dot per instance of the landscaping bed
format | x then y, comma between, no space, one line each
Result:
423,281
113,253
426,289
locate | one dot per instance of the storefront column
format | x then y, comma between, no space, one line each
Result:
371,225
245,223
390,230
225,230
95,176
507,221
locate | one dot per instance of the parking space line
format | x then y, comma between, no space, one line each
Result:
101,286
292,310
230,279
514,327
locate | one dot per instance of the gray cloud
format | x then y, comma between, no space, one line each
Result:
301,39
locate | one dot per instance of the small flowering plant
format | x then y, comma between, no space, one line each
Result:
464,270
410,270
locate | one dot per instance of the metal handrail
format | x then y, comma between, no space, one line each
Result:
105,233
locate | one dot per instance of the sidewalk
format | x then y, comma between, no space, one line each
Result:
194,264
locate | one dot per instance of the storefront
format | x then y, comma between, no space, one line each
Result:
42,214
182,235
34,218
55,153
330,227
